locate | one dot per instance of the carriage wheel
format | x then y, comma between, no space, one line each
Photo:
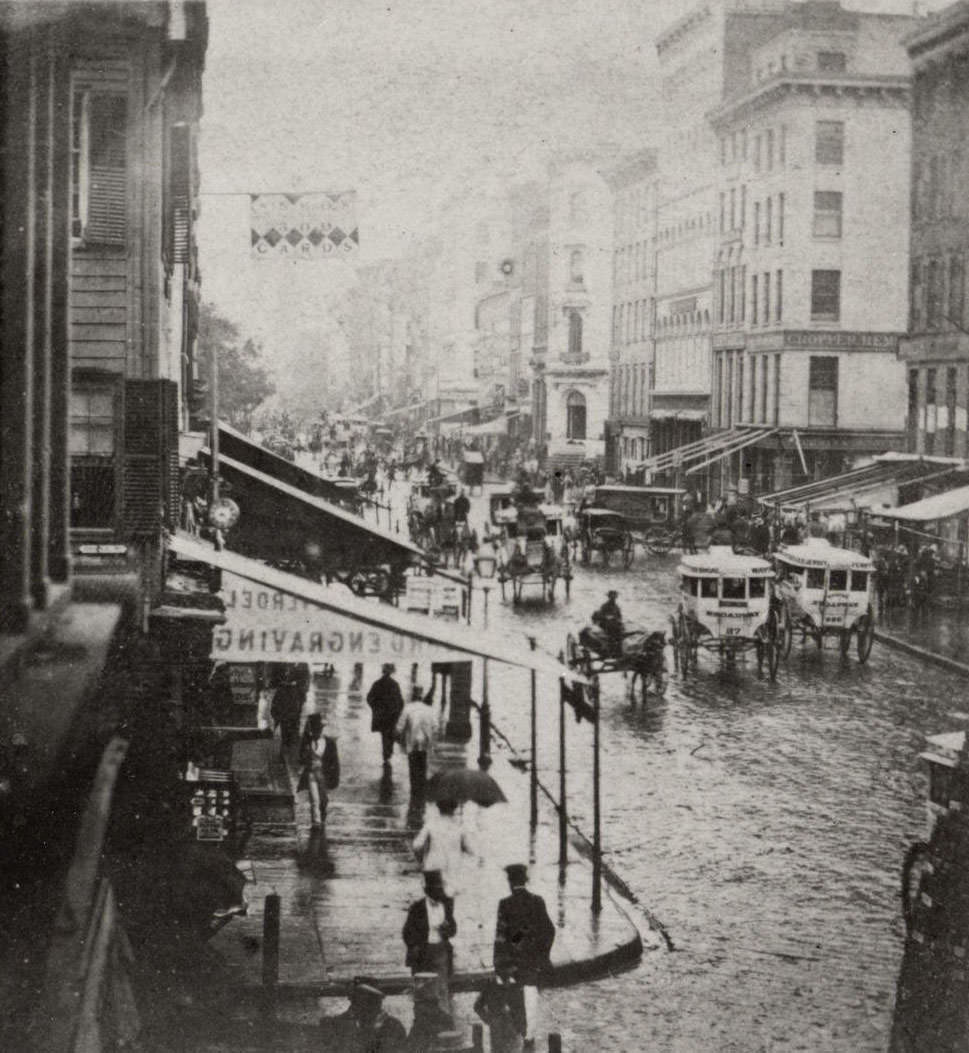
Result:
658,541
772,650
787,634
866,635
844,642
628,552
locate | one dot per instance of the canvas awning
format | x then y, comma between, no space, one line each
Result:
678,414
863,487
498,426
931,509
706,451
280,522
453,415
413,408
241,448
286,618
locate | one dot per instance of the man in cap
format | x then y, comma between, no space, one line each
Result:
609,619
386,704
364,1027
427,935
524,935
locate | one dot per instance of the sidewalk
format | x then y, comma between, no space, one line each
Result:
344,919
940,636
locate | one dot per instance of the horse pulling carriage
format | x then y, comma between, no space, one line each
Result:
726,608
638,654
651,514
532,550
820,591
606,532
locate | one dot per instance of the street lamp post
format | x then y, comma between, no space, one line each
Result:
485,564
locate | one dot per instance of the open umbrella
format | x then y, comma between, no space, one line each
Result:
464,784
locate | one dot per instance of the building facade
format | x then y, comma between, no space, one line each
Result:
936,350
703,57
635,190
813,155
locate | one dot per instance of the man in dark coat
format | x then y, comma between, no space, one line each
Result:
524,935
427,935
386,704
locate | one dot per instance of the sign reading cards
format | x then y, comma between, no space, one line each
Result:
303,226
265,625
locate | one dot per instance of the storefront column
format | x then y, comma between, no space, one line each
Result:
783,470
458,727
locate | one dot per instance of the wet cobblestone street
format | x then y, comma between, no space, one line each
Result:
762,824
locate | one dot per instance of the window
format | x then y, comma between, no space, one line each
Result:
723,211
576,266
768,220
827,214
733,294
782,146
815,577
733,209
829,142
780,219
740,386
756,222
575,415
757,144
916,293
753,299
832,61
933,299
766,297
758,588
837,581
99,171
688,584
913,408
777,388
734,588
743,206
950,411
708,588
779,296
743,294
92,446
764,360
957,291
825,296
575,333
859,581
743,144
722,305
823,391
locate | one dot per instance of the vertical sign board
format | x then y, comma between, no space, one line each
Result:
265,625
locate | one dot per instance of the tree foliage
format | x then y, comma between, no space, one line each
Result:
244,382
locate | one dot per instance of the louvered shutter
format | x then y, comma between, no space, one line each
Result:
107,204
180,184
151,483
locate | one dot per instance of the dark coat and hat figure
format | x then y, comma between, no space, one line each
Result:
386,704
524,935
427,936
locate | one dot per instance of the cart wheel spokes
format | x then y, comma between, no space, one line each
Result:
866,635
658,541
787,633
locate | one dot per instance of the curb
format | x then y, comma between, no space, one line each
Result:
933,657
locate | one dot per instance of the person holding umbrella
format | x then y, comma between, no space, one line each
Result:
441,843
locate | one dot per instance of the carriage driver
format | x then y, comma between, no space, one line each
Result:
609,619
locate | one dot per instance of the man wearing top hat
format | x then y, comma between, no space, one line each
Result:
386,704
427,935
524,935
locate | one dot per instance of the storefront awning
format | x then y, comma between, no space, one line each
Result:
453,415
931,509
703,452
241,448
498,426
865,487
282,523
288,618
678,414
413,408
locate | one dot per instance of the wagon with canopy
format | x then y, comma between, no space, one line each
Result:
531,550
651,513
726,608
824,591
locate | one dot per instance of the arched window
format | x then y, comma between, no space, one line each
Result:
575,333
576,267
575,415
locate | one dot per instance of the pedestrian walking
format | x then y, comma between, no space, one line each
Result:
427,934
524,935
442,843
415,730
319,768
287,705
386,703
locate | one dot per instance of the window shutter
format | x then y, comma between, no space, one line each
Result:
180,188
151,482
107,215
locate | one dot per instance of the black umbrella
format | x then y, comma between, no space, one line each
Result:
464,784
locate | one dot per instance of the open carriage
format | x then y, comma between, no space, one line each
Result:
531,550
824,591
726,608
640,655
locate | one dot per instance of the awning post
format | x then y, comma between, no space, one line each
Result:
563,814
533,767
484,732
596,805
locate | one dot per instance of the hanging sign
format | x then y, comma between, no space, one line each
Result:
264,625
303,226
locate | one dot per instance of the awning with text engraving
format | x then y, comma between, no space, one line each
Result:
273,616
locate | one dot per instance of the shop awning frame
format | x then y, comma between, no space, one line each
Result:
465,640
947,505
413,408
453,415
707,450
496,426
